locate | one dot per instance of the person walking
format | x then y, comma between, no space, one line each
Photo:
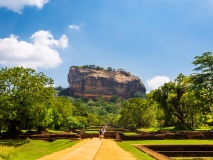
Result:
101,133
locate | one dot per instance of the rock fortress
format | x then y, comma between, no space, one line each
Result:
92,83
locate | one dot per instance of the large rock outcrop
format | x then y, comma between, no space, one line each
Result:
93,83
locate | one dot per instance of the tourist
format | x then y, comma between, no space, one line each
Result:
101,133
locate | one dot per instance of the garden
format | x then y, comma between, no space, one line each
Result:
35,115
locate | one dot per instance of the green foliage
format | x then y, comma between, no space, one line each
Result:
92,67
92,119
79,109
27,101
181,105
90,102
136,113
61,110
109,68
73,123
59,88
115,121
139,95
25,98
64,92
95,112
97,68
203,80
114,99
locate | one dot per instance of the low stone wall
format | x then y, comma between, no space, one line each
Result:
180,150
107,134
46,137
169,135
160,135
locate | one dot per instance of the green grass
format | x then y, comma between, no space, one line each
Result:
55,131
127,145
203,128
148,129
31,149
5,151
130,133
92,131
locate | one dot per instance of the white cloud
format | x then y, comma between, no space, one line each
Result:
41,53
157,81
74,27
18,5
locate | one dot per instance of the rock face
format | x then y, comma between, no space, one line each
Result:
92,83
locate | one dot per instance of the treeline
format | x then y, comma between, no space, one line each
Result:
186,103
29,101
97,68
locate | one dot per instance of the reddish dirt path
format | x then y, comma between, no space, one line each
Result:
92,149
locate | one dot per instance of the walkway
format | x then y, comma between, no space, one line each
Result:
91,149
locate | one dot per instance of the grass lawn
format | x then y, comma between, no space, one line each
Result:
92,131
34,149
130,133
31,149
126,145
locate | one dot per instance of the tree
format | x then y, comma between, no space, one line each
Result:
79,109
114,99
59,88
160,96
159,113
139,94
64,92
93,119
109,68
72,123
25,98
178,102
61,110
204,78
135,113
195,104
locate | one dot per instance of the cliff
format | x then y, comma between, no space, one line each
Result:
92,83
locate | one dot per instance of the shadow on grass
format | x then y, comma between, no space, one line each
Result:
13,142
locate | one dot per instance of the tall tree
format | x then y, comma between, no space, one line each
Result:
179,102
204,78
135,113
61,110
160,96
24,95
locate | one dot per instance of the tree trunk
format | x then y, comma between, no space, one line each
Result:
13,127
41,130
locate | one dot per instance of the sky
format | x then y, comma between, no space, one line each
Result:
155,40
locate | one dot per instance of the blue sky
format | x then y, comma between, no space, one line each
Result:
153,39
